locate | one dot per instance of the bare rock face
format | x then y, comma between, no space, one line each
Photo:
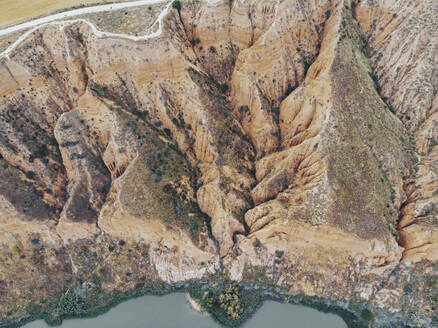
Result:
282,143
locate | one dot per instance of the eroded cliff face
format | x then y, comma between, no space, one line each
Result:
283,143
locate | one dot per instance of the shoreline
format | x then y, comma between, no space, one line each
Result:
350,316
195,306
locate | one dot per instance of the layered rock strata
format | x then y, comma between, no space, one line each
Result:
283,143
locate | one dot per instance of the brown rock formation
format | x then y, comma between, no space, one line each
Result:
252,137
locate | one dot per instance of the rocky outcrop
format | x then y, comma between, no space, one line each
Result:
288,143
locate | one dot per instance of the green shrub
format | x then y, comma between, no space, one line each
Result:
98,89
367,315
194,42
30,174
177,5
71,304
223,87
230,304
291,88
40,151
243,109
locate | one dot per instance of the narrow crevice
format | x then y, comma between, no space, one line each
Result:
56,76
10,74
192,42
252,27
76,35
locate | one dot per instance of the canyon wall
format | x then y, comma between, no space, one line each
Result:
287,143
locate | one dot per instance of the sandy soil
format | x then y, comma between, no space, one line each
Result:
17,11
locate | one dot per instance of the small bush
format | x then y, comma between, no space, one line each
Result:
291,88
243,109
77,156
367,315
35,241
223,87
167,132
69,143
98,89
279,254
30,175
143,114
177,5
375,80
41,151
71,305
194,42
230,302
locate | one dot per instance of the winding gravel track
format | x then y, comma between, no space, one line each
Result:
53,19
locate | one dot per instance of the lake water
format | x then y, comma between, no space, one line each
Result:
174,311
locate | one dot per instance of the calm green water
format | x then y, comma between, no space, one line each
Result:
173,311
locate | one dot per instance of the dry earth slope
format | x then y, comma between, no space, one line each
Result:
290,146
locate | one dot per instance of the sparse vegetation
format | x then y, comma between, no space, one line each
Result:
158,183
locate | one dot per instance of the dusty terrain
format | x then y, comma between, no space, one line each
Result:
138,19
289,144
16,11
